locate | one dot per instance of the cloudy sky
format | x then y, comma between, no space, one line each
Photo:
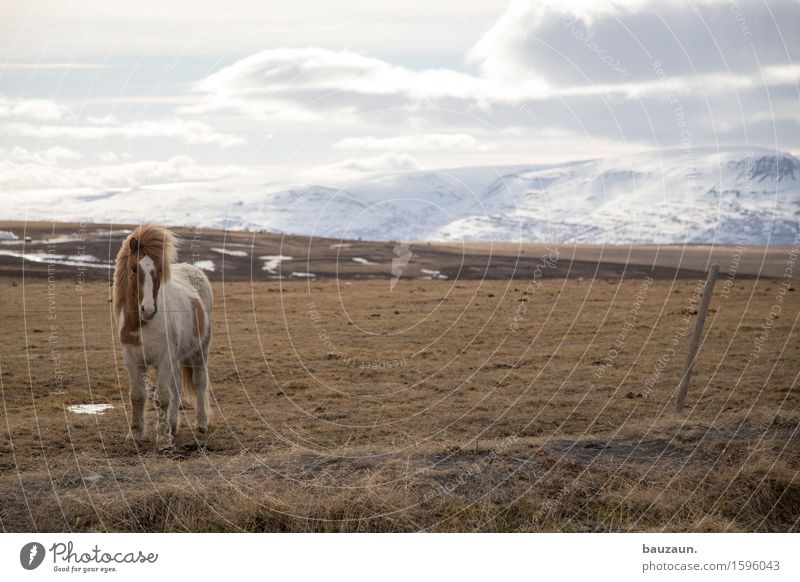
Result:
114,93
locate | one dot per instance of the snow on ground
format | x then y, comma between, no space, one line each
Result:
89,408
68,260
229,252
272,262
431,274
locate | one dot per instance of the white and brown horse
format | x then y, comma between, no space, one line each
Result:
164,316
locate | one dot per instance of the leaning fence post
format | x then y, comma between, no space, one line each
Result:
698,333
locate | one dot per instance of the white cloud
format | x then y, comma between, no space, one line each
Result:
193,132
50,66
418,142
48,157
563,75
107,157
39,109
574,44
102,120
315,84
189,27
32,175
110,157
355,168
580,68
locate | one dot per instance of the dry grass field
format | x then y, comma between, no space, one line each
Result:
538,404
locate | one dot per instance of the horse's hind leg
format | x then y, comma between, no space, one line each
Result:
201,389
200,385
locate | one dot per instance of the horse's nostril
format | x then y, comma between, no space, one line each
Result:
149,312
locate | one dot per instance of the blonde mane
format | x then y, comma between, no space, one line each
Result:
150,240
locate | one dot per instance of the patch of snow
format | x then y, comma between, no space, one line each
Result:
65,260
363,261
433,274
82,258
272,262
205,265
229,252
303,275
8,235
89,408
56,240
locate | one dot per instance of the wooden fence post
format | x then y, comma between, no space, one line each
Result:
696,336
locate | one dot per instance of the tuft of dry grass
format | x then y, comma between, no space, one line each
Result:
522,487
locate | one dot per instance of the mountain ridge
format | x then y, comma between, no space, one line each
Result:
730,196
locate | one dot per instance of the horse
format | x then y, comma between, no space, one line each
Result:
163,310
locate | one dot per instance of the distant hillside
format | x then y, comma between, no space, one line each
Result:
732,196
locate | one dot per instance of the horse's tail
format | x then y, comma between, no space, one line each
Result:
187,372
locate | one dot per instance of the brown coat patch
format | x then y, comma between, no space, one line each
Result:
128,333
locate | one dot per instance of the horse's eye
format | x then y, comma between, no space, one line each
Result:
133,268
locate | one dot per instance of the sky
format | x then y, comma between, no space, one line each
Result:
109,93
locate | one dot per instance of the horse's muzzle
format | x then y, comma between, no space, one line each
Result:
149,316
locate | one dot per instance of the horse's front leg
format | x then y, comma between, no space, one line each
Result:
137,372
169,376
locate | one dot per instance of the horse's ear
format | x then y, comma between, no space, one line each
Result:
134,244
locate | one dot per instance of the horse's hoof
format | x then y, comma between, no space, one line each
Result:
136,437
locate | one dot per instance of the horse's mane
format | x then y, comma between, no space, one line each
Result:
151,240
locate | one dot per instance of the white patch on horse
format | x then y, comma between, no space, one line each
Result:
148,302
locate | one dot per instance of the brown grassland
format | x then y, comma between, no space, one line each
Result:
439,405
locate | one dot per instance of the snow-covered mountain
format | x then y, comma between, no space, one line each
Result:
734,196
